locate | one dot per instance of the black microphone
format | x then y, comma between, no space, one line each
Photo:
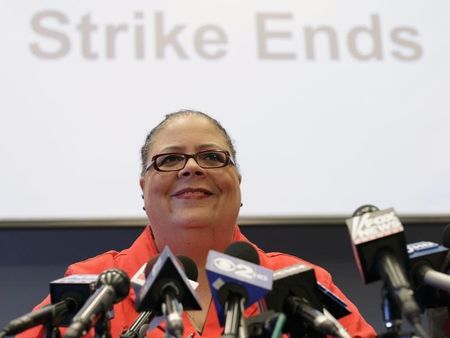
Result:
437,301
426,259
41,316
332,303
265,324
295,293
236,281
380,252
190,268
113,286
168,292
67,296
235,295
140,325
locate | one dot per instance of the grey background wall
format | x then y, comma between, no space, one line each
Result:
32,257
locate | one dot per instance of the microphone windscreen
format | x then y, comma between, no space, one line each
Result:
190,268
118,280
167,270
149,265
244,251
188,265
365,209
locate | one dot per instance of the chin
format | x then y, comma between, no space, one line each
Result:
194,221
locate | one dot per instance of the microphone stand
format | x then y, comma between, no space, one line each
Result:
392,317
172,309
51,331
234,322
140,325
305,317
267,324
103,327
58,314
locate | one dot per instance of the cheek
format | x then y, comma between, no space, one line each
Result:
231,185
156,186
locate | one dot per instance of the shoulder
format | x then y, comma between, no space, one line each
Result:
94,265
129,260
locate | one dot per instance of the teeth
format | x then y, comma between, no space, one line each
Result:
193,193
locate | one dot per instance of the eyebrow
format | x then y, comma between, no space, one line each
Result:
201,147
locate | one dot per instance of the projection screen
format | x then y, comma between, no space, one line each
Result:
331,104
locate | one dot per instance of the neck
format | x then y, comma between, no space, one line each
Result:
196,242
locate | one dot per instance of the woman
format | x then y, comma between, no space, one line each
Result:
191,191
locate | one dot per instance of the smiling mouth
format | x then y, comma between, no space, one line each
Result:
192,194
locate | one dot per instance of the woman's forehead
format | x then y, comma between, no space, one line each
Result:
189,131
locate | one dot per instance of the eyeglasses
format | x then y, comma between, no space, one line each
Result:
175,161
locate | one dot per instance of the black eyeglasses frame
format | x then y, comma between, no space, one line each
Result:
228,160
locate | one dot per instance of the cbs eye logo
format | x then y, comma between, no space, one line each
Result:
239,269
225,264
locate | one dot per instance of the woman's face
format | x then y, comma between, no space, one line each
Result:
192,197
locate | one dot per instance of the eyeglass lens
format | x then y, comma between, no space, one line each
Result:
209,159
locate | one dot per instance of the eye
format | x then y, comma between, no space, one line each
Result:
213,157
169,160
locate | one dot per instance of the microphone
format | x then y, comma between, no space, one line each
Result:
427,257
295,293
167,292
266,324
113,286
236,281
336,306
67,296
140,325
437,316
379,248
189,266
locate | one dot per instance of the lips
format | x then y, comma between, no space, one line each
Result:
192,193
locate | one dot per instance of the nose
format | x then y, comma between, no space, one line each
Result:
191,168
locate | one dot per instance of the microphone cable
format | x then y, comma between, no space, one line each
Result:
278,328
